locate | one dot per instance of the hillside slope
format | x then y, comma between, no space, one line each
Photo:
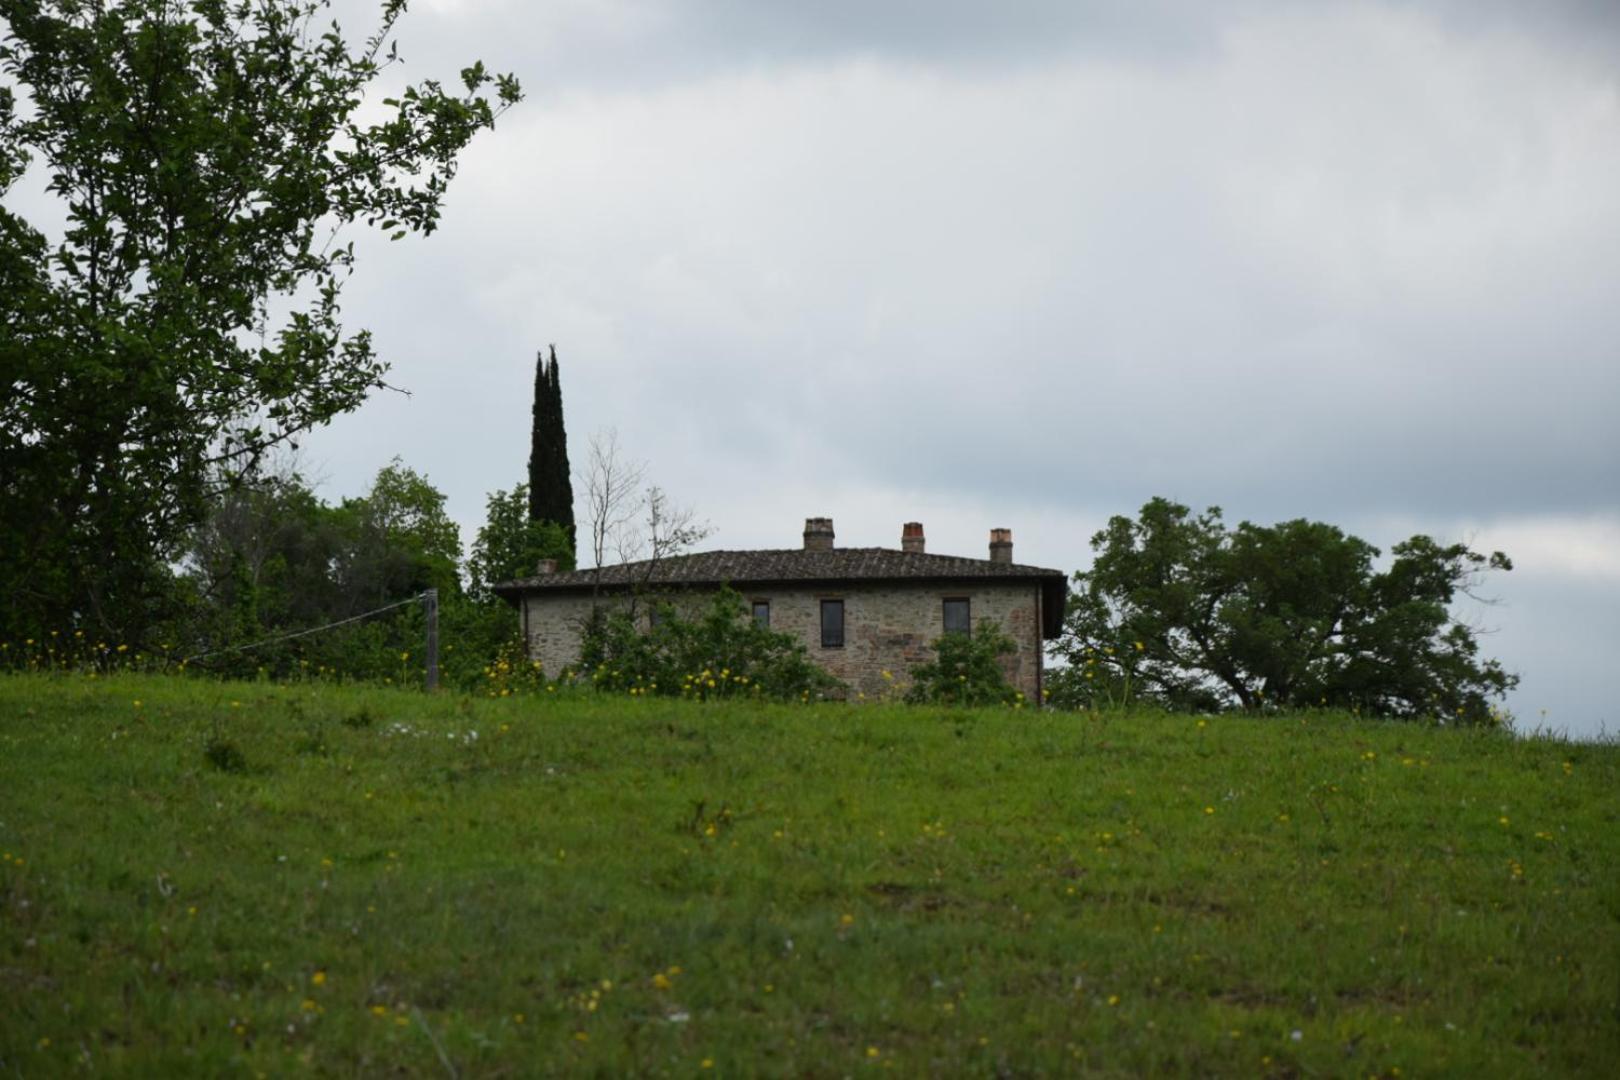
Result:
202,877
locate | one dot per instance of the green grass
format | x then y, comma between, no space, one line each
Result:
206,879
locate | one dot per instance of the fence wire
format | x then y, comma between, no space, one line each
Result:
305,633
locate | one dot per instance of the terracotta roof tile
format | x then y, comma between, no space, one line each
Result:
792,566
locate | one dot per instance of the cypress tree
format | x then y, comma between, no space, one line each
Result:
551,488
541,411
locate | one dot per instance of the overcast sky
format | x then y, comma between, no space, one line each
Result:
1029,265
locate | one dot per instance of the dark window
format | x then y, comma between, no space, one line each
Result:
762,612
832,624
957,617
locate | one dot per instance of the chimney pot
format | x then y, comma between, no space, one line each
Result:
911,537
546,566
818,534
1001,545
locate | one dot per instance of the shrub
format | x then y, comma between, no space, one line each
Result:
966,670
721,653
511,671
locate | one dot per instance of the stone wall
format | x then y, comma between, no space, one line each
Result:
887,627
555,624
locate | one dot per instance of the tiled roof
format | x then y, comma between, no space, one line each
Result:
796,566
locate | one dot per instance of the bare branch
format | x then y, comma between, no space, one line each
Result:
612,483
637,524
671,529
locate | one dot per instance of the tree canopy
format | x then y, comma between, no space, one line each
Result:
280,558
1180,609
510,543
206,156
277,579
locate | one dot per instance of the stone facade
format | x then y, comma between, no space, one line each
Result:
894,602
888,626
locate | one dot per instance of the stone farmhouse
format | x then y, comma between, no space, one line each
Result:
858,611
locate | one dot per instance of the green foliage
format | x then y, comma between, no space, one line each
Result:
272,559
551,485
604,886
1184,612
262,560
276,552
510,543
510,672
203,154
722,653
967,670
400,540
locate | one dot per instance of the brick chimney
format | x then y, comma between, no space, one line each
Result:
546,566
1001,545
818,534
911,537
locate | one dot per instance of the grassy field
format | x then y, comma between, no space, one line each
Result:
208,879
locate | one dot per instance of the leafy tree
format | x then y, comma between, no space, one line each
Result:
510,543
966,670
1181,610
551,487
273,558
397,540
261,562
276,552
206,155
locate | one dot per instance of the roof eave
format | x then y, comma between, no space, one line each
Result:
1053,584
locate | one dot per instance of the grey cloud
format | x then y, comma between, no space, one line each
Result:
958,31
1034,261
619,44
965,30
1358,263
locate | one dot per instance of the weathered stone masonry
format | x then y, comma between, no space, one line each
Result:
893,600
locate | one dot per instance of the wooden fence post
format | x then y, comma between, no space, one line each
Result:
430,604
